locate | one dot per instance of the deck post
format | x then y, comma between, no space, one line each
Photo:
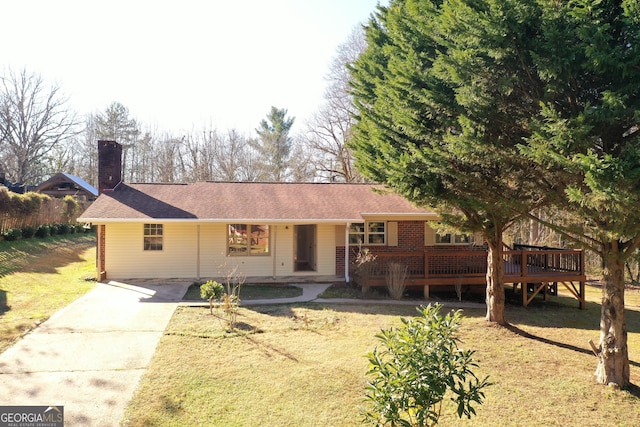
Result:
425,291
523,264
546,290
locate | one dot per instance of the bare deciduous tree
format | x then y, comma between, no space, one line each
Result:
328,132
34,120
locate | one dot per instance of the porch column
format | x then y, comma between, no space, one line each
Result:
346,252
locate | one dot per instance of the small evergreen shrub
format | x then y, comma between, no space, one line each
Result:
418,365
54,229
28,232
12,234
63,228
43,231
211,291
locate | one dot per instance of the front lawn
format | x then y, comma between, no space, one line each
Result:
40,276
304,365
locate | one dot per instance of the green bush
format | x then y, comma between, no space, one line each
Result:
12,234
211,291
415,367
63,228
71,208
28,232
54,229
43,231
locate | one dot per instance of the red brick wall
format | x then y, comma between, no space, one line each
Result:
410,239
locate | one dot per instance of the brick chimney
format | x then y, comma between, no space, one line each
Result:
109,165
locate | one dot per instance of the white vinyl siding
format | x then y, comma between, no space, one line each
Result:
126,257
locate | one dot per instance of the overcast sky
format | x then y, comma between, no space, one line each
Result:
180,64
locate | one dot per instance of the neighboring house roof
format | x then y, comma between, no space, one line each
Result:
249,201
64,183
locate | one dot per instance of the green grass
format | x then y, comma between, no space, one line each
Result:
39,277
251,292
304,365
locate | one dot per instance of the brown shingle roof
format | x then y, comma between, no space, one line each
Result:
227,201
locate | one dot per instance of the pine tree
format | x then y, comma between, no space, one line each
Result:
274,144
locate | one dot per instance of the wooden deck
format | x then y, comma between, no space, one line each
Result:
535,270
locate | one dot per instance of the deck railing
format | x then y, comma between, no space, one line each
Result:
433,264
534,267
539,261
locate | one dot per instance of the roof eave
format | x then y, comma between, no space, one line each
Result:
221,220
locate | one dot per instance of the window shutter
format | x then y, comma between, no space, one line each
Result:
478,240
392,233
429,235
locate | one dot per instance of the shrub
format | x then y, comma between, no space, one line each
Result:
71,208
211,291
43,231
233,281
63,228
396,277
54,229
364,267
416,366
12,234
28,232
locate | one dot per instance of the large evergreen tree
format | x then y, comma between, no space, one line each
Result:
274,144
440,115
587,141
485,108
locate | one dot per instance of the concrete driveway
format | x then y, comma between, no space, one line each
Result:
90,356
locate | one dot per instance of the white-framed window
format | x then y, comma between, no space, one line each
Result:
454,239
153,234
247,239
368,233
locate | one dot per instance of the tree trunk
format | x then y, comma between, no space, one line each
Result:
495,281
613,359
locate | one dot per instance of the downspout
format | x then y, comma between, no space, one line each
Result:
275,244
346,252
198,252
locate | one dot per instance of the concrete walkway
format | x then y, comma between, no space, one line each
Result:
311,291
90,356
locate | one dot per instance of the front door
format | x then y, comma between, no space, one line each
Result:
305,247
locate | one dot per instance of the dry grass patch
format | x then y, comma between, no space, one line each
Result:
304,365
39,277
